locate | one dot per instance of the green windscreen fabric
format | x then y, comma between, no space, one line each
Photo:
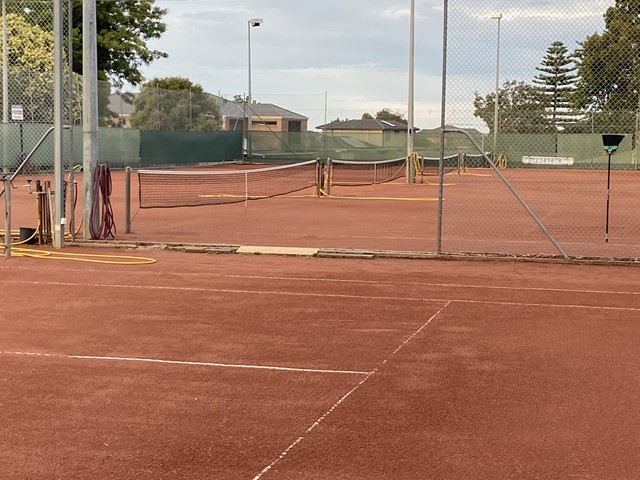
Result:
119,147
186,148
17,140
586,150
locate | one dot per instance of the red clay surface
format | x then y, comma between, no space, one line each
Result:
480,215
264,367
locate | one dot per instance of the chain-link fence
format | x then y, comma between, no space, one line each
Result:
27,101
563,74
529,174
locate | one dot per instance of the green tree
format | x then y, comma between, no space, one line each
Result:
387,114
367,116
521,109
609,70
242,99
557,82
123,29
609,63
175,104
31,69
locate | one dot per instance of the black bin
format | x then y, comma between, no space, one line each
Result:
28,236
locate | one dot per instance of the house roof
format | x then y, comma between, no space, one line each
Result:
229,108
365,124
118,104
437,130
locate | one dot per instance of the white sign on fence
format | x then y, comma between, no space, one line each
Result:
17,113
547,160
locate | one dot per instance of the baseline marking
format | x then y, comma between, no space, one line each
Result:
184,362
363,282
345,396
422,284
322,295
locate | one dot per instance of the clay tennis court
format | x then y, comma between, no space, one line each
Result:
480,215
270,367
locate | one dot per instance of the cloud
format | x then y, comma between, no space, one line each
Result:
356,51
396,13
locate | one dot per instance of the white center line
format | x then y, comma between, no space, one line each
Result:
185,362
345,396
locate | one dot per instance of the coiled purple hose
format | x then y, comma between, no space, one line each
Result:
102,225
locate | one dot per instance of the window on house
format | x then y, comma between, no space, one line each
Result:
295,126
235,125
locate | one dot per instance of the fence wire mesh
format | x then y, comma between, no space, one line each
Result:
27,101
527,174
564,73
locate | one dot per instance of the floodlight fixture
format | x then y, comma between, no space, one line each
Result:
254,22
610,143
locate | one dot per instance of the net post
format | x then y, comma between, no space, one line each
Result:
7,217
72,204
127,200
246,190
327,187
319,185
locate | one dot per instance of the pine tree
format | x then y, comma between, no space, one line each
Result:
557,82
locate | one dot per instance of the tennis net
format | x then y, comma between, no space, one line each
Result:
429,166
175,188
350,172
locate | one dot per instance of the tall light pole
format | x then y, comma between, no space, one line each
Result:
5,65
5,84
410,126
496,16
254,22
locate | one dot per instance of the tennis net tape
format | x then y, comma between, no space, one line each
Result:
349,172
175,188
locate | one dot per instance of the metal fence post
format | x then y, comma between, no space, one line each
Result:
7,216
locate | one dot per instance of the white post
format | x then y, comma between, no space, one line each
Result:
7,216
89,108
5,85
254,22
5,65
410,119
498,17
58,125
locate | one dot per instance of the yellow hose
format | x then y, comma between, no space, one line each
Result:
81,257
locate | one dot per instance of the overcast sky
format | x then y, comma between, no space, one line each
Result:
354,54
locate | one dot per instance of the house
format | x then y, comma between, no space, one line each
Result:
382,133
121,107
265,117
430,137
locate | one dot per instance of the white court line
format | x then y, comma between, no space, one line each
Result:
367,282
320,295
362,282
184,362
422,284
345,396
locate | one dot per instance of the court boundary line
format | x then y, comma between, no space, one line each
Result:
182,362
358,282
323,295
347,395
418,284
